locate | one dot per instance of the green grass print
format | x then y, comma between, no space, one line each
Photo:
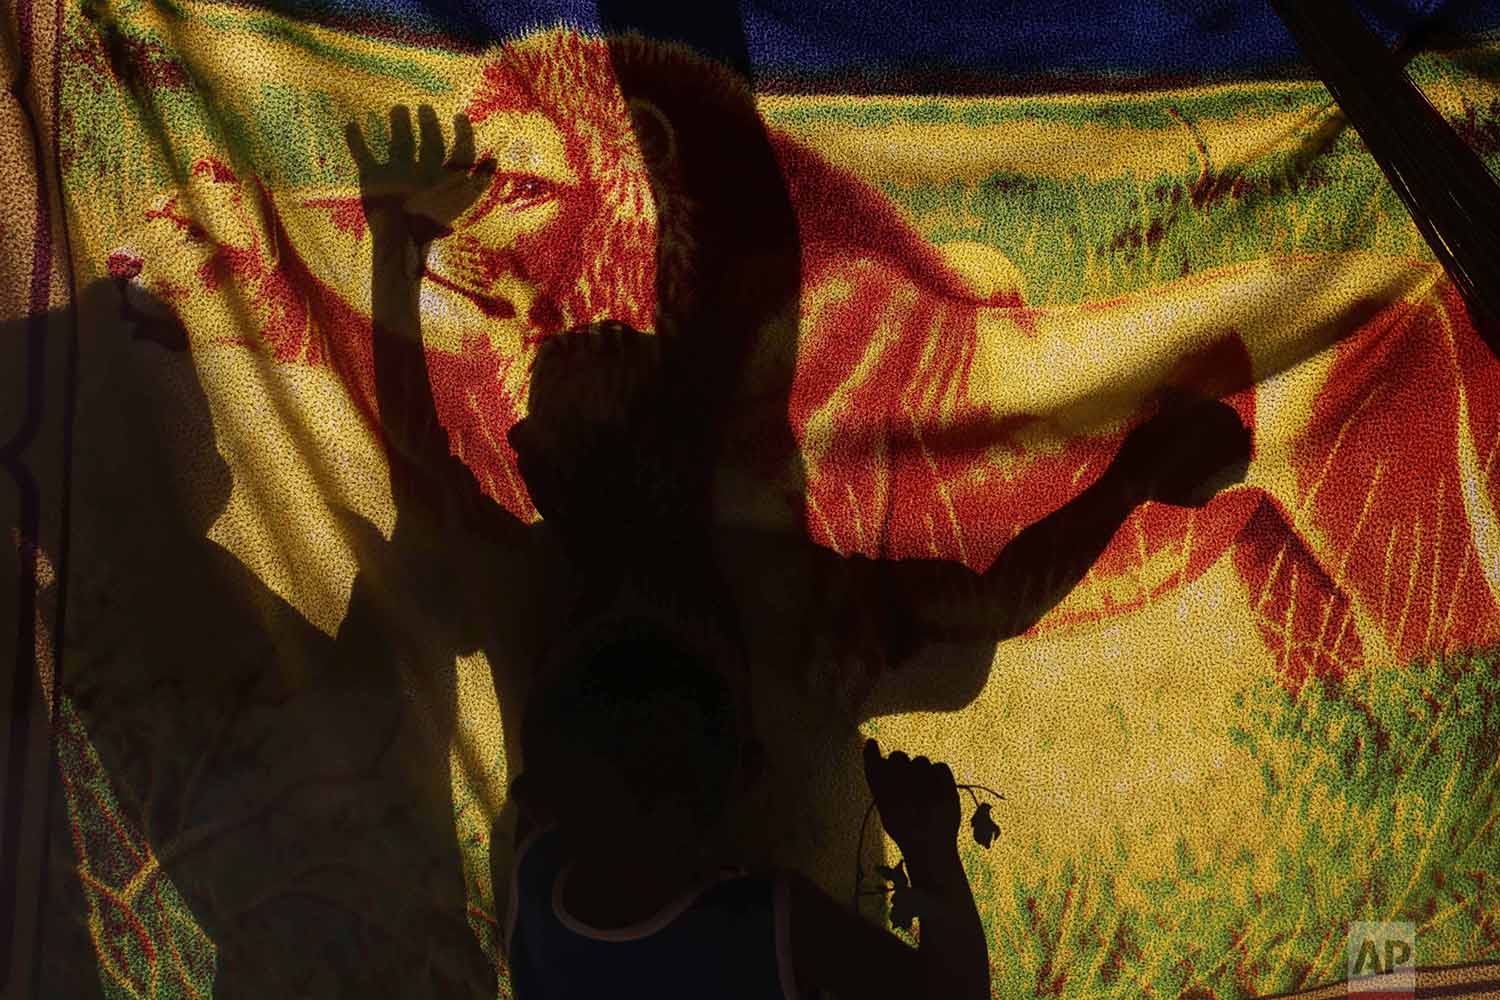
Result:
1074,239
145,138
1381,798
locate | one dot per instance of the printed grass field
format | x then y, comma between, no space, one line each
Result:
1177,827
1375,801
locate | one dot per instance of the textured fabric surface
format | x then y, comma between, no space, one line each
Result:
264,715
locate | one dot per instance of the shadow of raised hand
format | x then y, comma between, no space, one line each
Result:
421,190
409,200
1187,452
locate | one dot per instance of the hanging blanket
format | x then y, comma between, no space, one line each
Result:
263,715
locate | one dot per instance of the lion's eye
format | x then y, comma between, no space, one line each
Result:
523,190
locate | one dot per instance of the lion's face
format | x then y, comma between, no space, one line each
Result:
565,235
502,272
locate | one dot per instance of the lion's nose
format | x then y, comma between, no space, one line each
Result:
544,315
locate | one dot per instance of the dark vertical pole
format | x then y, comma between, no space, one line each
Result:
1450,194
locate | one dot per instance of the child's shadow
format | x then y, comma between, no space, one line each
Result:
270,770
789,594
